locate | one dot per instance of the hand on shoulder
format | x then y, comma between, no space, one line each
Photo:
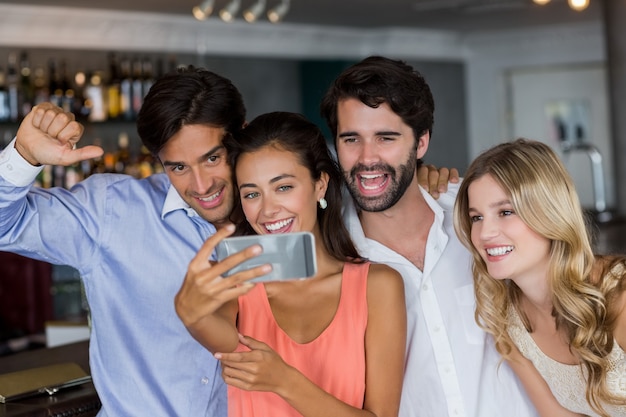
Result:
436,181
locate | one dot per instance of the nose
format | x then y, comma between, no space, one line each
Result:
487,228
200,182
369,153
269,207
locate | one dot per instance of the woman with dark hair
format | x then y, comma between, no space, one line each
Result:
329,345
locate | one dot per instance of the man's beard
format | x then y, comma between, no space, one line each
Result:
395,189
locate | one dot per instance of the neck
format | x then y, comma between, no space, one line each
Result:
404,227
537,299
542,307
408,215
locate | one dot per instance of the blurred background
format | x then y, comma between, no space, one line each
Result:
499,69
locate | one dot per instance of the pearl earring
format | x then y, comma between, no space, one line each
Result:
323,203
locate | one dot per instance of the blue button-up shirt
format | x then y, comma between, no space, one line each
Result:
131,241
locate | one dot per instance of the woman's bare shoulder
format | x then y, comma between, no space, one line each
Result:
382,277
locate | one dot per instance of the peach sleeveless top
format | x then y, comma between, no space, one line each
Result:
335,360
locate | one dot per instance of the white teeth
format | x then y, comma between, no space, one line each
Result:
371,177
278,225
210,198
502,250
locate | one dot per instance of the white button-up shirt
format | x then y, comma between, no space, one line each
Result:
451,364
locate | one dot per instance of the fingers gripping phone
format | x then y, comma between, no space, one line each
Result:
292,255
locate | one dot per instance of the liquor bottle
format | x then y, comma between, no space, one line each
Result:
97,164
26,89
58,176
109,162
123,160
145,163
81,104
94,98
148,76
85,168
12,86
40,85
72,175
137,86
126,90
66,88
46,176
5,111
113,87
55,95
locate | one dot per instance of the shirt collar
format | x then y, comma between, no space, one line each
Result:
353,223
173,202
434,206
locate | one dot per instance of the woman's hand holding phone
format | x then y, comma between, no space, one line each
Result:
203,299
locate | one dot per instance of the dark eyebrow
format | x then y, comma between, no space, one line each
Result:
381,133
272,181
346,134
211,151
388,133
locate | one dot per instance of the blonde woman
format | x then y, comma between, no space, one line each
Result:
557,312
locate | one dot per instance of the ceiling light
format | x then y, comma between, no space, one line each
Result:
541,2
578,5
254,11
204,10
277,14
228,13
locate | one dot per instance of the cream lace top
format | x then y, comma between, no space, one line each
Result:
567,382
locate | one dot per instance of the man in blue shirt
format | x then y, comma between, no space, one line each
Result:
131,240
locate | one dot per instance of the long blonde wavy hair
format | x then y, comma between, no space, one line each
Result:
543,196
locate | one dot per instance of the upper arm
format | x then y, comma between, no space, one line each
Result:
44,224
385,340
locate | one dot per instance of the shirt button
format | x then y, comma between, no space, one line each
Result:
437,328
205,380
425,287
10,167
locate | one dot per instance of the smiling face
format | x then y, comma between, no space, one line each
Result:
195,162
278,194
377,153
508,246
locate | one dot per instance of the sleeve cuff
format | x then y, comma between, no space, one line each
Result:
15,169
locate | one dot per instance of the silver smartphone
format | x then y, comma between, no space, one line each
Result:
292,255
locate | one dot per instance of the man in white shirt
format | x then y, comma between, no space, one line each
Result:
380,112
